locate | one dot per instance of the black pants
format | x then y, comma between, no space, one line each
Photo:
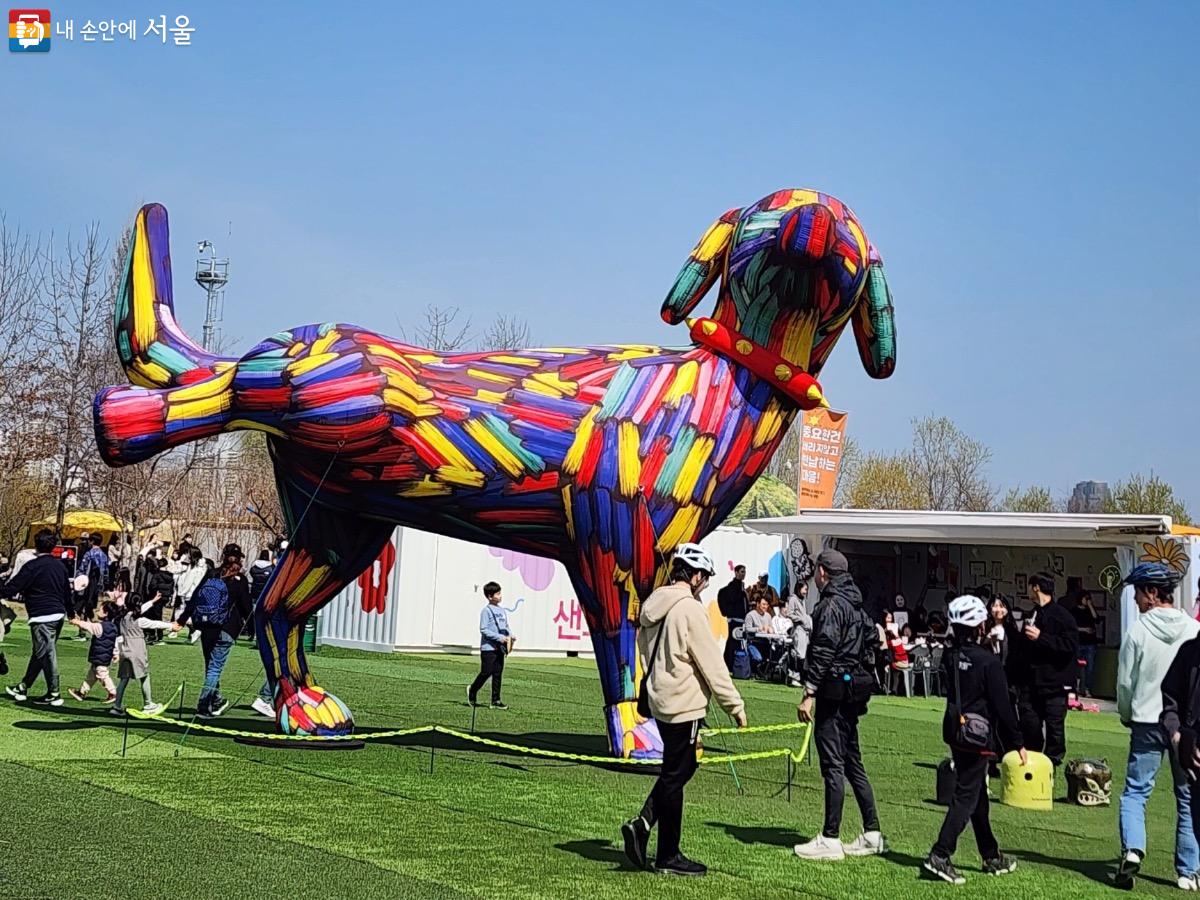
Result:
969,803
731,645
841,761
1043,718
664,806
44,659
491,665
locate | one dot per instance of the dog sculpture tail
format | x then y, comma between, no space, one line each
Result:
182,389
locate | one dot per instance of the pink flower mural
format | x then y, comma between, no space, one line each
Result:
537,573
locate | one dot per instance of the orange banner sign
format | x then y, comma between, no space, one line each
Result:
821,443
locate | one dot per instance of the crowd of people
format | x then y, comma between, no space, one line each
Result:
1006,684
119,602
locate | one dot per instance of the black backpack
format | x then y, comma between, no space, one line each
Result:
213,603
259,576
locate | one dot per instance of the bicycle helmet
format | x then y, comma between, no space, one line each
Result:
1153,574
695,557
967,610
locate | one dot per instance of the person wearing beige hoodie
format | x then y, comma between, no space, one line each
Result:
684,669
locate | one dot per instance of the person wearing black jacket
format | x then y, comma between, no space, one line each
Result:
975,686
1180,718
732,602
43,586
838,678
1043,663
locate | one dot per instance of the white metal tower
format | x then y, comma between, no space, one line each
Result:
212,274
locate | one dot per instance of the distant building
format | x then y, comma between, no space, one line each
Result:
1088,497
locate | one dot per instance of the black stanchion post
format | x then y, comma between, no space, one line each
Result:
431,759
125,736
182,693
789,778
474,709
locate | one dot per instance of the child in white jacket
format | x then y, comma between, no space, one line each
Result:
1147,651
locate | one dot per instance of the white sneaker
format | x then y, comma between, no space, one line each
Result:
821,847
152,709
263,708
1188,883
194,637
869,843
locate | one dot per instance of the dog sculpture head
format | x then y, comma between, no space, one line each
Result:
794,269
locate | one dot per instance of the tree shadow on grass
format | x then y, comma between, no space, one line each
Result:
599,851
1097,870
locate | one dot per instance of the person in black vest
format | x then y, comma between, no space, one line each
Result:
162,592
261,571
42,584
102,652
733,605
839,679
1043,661
975,687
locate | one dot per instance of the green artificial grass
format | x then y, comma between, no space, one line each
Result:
201,816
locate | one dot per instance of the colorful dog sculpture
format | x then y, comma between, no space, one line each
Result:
603,458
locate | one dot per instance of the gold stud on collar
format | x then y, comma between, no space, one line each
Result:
744,347
782,372
708,326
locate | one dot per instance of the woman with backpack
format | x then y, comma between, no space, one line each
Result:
979,719
218,608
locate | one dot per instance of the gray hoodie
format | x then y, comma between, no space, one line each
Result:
1147,651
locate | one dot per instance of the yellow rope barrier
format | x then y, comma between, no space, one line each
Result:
797,754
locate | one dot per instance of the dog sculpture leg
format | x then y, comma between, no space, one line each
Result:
328,551
629,735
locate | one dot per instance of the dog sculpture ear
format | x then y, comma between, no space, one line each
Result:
874,322
700,272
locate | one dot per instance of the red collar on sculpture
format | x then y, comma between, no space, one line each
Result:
785,377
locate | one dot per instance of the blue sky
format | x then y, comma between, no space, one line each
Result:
1028,172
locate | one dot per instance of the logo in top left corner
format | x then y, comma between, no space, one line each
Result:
29,30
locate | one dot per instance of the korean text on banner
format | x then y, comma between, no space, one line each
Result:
822,441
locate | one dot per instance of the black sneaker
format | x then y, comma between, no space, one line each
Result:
470,699
940,867
637,835
1001,865
499,705
49,700
681,865
3,664
218,708
1127,869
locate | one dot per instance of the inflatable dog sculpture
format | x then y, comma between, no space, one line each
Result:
603,458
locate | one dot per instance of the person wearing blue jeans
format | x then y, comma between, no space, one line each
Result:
1146,748
1147,651
216,640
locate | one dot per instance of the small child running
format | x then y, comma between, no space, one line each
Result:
134,658
103,650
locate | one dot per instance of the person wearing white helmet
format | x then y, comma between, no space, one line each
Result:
979,722
682,668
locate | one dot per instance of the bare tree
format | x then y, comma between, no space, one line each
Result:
442,331
75,348
506,333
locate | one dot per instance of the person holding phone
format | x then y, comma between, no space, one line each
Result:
495,642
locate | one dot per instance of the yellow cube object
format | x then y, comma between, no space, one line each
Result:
1027,787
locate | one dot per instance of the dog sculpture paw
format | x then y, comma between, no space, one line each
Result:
311,711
